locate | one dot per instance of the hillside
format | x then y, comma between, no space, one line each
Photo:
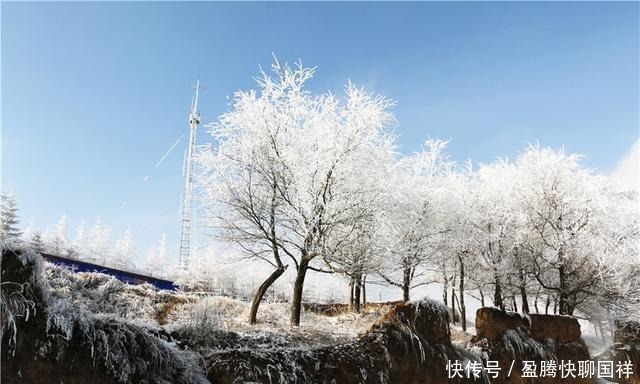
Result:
70,327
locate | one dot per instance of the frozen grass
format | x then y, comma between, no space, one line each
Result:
273,322
206,321
104,294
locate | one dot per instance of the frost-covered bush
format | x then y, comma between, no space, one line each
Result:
129,351
100,293
202,322
18,298
134,352
13,307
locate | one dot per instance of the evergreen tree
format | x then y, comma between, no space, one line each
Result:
36,242
99,243
157,257
80,241
124,251
9,232
58,238
71,253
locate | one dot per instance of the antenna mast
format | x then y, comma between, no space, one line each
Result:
187,203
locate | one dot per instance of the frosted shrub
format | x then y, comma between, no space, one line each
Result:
100,293
18,298
202,323
13,306
129,351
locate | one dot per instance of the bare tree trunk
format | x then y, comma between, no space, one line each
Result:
296,301
570,304
454,302
351,301
523,292
546,307
262,289
453,306
481,297
364,290
257,299
497,293
463,312
356,295
406,284
454,318
445,289
612,324
562,297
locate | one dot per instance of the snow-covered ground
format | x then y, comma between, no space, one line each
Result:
103,294
273,319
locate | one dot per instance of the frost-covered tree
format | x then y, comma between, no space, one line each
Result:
290,167
564,206
359,256
124,251
57,241
9,231
456,256
27,233
36,243
543,226
157,257
244,177
80,242
613,246
413,215
492,220
71,252
208,271
99,243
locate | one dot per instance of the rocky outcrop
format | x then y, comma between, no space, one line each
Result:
47,340
511,339
563,329
491,323
411,344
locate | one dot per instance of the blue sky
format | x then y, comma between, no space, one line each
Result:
93,94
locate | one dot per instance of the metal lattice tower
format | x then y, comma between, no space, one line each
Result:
187,203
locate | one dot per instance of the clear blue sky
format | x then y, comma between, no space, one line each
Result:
93,94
